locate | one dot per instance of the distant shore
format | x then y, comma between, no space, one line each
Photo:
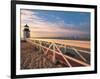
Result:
64,38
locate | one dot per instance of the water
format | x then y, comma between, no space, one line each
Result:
76,43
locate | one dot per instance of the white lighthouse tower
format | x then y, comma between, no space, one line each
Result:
26,32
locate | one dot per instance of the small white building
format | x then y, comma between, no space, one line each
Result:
26,32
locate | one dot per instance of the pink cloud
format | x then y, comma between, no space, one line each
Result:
39,27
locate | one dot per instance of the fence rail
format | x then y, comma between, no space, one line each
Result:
60,52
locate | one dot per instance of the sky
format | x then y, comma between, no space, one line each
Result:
43,23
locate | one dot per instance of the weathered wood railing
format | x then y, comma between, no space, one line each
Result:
54,49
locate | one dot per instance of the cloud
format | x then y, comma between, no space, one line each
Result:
42,28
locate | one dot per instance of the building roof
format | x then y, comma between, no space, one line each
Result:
26,25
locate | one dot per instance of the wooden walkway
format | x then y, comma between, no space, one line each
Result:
44,54
31,58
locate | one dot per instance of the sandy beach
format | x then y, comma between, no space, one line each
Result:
33,58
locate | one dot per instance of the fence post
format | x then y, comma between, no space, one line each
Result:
54,54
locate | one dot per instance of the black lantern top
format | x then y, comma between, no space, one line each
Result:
26,25
26,28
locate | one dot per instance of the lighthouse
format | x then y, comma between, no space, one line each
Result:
26,32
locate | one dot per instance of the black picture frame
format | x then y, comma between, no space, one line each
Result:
13,38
